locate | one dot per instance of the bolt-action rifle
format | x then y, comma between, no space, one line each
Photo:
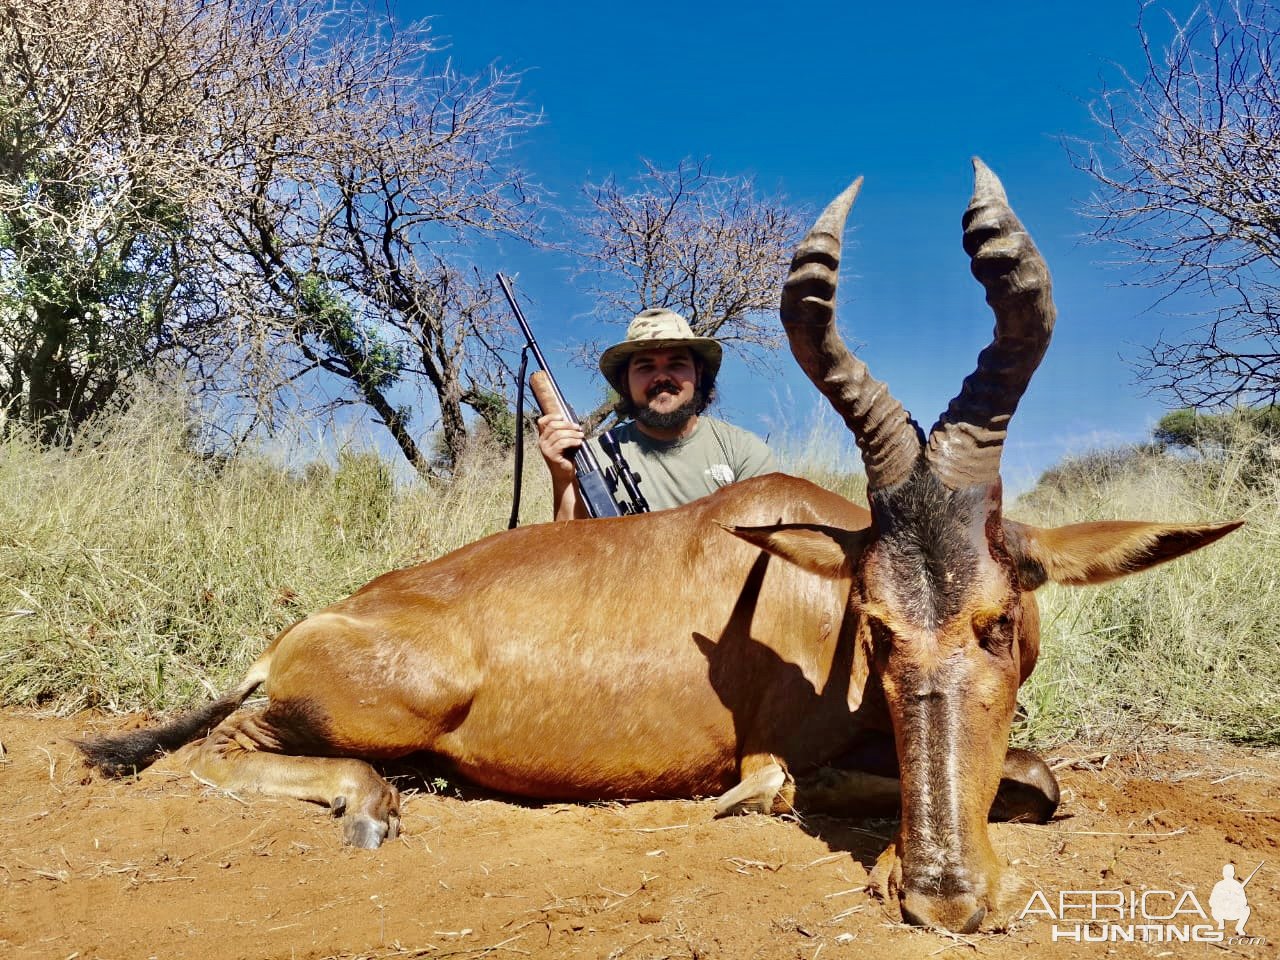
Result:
600,487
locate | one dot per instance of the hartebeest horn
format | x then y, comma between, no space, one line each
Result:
890,442
965,444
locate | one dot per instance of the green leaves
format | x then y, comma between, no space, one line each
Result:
328,317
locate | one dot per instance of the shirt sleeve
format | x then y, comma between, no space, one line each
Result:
753,458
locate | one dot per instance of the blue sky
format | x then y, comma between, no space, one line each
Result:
805,97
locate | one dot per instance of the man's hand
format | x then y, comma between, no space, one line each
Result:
557,441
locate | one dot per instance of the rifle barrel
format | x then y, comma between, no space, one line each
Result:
532,341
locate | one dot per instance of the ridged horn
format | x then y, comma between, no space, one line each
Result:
965,444
890,442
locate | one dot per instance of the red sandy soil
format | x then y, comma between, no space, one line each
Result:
166,867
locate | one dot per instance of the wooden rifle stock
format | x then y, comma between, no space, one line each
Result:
593,482
545,394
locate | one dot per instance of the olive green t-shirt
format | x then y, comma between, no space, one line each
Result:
677,471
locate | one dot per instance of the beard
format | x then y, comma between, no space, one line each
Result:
671,419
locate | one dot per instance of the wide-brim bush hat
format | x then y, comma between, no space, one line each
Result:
657,329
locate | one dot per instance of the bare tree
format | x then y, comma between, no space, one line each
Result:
1188,178
361,198
99,120
263,191
706,246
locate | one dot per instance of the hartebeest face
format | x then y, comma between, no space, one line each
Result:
936,592
949,633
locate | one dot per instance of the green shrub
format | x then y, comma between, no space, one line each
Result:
1245,440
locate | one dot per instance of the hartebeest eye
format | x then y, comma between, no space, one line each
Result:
994,630
881,637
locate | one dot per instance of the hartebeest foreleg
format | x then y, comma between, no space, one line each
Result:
242,754
1028,791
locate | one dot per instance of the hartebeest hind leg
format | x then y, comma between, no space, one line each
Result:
243,753
1028,791
764,788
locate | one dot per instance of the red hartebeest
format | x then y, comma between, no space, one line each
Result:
661,656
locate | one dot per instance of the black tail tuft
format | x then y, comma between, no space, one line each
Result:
124,754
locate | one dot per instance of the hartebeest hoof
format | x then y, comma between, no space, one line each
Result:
886,875
368,828
754,794
367,833
1028,790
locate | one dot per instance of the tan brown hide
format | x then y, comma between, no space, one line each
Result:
497,658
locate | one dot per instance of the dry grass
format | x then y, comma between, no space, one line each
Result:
1190,647
135,574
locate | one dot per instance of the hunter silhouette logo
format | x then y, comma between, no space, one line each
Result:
1149,915
1229,901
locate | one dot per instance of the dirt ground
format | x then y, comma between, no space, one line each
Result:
165,867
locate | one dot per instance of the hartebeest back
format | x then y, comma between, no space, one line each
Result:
705,662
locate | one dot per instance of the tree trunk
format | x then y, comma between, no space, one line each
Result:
452,423
44,403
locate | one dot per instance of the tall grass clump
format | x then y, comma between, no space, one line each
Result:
135,572
822,450
1191,646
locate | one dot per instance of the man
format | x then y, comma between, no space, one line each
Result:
665,378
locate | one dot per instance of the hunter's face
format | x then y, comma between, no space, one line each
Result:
662,381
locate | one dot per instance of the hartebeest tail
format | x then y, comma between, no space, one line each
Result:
126,754
751,663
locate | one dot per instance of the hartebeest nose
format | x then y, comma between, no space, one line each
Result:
960,913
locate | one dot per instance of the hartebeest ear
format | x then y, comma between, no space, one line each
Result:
1085,553
826,551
